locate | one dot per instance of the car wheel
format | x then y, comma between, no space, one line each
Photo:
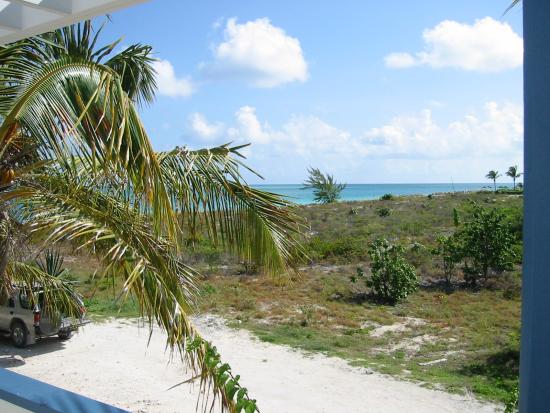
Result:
65,335
19,334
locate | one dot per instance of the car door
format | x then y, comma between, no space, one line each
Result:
7,308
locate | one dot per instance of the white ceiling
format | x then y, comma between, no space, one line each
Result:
24,18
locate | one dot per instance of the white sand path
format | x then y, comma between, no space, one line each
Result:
111,362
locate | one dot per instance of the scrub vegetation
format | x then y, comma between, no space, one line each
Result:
449,333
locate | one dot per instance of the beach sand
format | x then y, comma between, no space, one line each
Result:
112,362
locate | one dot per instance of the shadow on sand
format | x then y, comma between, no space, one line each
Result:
12,357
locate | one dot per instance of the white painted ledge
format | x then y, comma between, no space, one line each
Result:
24,18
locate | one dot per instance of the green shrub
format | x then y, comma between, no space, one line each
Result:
392,278
487,243
512,404
348,248
450,251
386,197
383,212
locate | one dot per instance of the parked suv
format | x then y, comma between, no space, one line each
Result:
25,322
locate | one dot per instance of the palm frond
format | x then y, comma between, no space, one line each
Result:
60,298
77,108
208,192
134,66
162,285
511,6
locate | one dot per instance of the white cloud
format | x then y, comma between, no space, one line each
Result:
400,60
261,54
485,46
407,148
249,127
205,130
498,131
169,84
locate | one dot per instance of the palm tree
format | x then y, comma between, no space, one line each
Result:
493,175
325,188
513,173
76,165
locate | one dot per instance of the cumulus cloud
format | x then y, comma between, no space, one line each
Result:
203,129
406,148
169,84
260,53
486,46
497,131
249,128
400,60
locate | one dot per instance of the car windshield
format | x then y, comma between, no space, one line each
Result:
24,299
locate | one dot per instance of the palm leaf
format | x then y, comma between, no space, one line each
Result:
60,298
77,108
511,6
208,191
75,211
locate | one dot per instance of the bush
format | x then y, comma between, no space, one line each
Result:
344,249
512,404
392,278
386,197
383,212
449,249
487,244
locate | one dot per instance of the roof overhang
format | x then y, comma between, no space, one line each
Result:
24,18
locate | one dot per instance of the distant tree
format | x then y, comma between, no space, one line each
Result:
487,242
513,173
325,189
493,175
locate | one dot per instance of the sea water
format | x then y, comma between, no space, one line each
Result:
358,192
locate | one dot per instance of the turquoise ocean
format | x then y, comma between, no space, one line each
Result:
358,192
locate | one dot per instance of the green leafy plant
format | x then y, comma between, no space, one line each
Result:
392,278
51,263
386,197
450,251
456,217
383,212
487,243
512,404
325,188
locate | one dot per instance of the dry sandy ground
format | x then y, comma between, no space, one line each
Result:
112,363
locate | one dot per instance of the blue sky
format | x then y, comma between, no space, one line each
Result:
373,92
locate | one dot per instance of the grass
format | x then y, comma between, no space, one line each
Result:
476,332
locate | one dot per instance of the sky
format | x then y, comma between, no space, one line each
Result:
370,91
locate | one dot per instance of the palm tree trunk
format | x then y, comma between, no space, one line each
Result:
4,246
495,185
514,179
